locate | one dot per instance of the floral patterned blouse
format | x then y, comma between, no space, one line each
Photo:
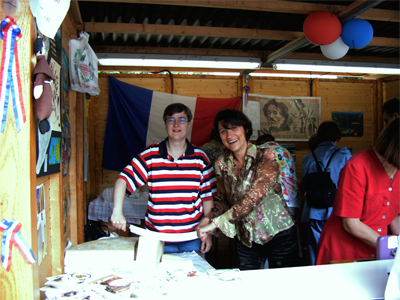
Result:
290,189
251,205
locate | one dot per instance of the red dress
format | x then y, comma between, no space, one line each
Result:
364,192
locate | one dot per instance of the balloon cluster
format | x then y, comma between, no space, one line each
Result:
324,29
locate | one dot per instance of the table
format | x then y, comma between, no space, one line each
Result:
356,280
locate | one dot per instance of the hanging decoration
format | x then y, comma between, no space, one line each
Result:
336,50
357,33
11,236
322,28
42,93
49,15
246,94
10,79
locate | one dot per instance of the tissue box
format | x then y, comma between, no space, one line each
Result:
103,254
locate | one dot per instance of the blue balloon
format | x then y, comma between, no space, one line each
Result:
357,33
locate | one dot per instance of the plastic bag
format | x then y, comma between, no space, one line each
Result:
83,66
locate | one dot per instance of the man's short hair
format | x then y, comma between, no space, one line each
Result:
391,106
177,108
262,139
328,131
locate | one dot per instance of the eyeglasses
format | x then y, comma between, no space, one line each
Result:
179,120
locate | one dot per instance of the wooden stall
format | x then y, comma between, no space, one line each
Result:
66,197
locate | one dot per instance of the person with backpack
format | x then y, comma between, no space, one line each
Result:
367,202
318,202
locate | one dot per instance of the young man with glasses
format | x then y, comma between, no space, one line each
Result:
181,182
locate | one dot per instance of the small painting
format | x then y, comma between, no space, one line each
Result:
350,123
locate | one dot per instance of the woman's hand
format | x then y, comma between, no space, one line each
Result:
205,231
204,222
118,220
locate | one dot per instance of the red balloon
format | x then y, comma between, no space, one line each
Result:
322,28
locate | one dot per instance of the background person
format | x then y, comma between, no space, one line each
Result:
290,189
249,204
288,171
390,110
367,201
328,136
181,182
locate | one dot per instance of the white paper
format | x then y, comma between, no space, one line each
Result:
49,15
252,111
165,237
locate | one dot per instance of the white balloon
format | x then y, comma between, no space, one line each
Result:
336,50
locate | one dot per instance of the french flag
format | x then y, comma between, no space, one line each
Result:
135,120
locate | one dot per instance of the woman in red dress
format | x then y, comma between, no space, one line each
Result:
367,202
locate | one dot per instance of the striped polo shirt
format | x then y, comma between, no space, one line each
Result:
177,187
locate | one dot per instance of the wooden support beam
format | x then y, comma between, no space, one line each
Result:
290,7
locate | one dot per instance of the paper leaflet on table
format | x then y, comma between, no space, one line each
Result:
165,237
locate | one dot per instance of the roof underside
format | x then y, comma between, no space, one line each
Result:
234,28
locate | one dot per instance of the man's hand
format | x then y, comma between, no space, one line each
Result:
206,245
118,221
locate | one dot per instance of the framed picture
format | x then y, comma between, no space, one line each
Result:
351,123
288,118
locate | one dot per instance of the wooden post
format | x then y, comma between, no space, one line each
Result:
17,169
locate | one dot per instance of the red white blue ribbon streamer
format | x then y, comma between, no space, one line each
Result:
246,94
10,79
11,236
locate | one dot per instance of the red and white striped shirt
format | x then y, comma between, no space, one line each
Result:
177,187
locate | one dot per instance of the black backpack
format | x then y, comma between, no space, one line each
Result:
319,189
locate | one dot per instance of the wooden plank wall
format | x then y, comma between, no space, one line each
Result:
336,95
65,213
17,164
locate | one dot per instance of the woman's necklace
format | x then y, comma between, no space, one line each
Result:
390,173
236,168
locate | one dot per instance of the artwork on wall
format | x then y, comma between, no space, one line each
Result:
41,222
351,123
288,118
49,148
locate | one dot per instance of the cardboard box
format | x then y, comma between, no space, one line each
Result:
100,254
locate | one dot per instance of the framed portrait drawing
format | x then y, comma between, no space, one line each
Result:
288,118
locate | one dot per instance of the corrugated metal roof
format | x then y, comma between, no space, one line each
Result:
198,29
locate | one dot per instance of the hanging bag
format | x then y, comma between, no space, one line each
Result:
93,230
83,65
